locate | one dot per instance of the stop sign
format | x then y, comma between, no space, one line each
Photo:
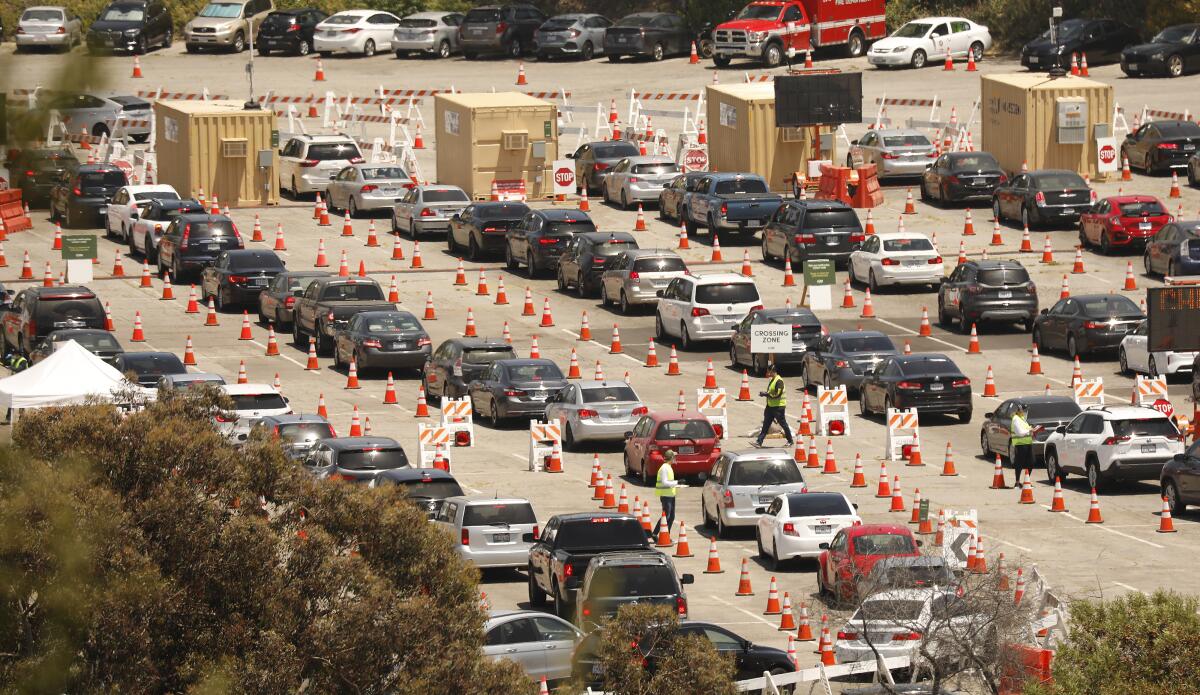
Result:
124,166
1164,406
564,176
695,160
1108,154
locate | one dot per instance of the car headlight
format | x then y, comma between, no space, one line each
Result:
131,32
756,35
1158,56
899,49
187,28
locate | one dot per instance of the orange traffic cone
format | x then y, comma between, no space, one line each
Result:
743,588
312,365
968,225
615,345
1047,251
211,318
352,375
145,281
744,390
1035,361
897,498
118,270
1065,290
469,330
812,460
573,371
973,345
714,560
585,328
916,508
998,476
547,317
694,58
868,308
808,61
788,279
481,286
583,201
245,333
640,224
108,319
664,532
747,269
914,454
828,658
804,631
1026,490
321,409
1165,524
280,245
272,349
971,61
1083,66
859,479
710,376
925,329
355,424
682,549
1094,510
787,620
683,237
521,74
651,355
242,377
139,335
848,297
393,291
884,489
1077,267
256,233
422,403
939,538
430,313
347,225
1126,174
1130,282
320,74
910,207
1058,503
534,351
949,65
989,384
831,466
189,353
716,249
501,293
948,468
397,249
168,293
673,363
773,605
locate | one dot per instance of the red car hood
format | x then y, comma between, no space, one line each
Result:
750,25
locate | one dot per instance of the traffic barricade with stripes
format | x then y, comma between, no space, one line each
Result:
713,405
432,439
544,437
1149,389
833,411
459,417
1089,392
902,430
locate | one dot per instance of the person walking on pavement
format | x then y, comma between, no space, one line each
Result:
1020,444
665,486
776,408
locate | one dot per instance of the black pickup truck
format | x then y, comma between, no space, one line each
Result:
560,556
327,305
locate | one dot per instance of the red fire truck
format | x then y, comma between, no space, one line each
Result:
764,31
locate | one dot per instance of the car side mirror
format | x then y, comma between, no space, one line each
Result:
629,434
528,538
687,579
1044,311
760,510
920,543
570,155
1061,429
854,141
823,546
456,217
134,215
659,293
297,293
990,415
855,505
1179,458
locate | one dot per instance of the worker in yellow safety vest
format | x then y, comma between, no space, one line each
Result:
665,486
776,408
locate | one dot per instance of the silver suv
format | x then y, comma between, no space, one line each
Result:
226,24
636,276
1110,443
742,481
704,307
488,531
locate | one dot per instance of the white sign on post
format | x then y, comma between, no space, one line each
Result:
1107,159
564,177
79,271
770,338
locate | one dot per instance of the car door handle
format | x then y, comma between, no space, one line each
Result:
510,650
551,646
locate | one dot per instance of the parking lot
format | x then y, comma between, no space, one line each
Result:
1123,554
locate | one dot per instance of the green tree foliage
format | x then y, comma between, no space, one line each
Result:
142,553
1149,645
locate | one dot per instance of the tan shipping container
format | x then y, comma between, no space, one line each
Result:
495,136
1023,112
216,146
742,135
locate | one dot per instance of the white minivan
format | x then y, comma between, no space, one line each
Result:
704,307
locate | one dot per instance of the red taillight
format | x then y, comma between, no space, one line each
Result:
372,343
857,238
308,163
849,636
1168,146
293,27
719,430
513,392
640,410
931,155
889,155
428,212
889,261
568,570
724,208
546,242
183,242
1040,198
466,537
410,185
501,27
1003,179
789,529
841,364
935,260
599,166
633,179
352,30
355,160
236,234
368,188
909,385
1112,441
289,302
961,382
728,501
756,307
490,229
805,238
77,191
588,412
30,172
1092,325
699,311
423,341
681,606
906,636
1092,196
587,609
634,275
536,533
599,260
237,279
222,418
329,316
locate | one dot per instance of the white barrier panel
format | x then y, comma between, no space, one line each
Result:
961,527
902,428
712,404
832,405
459,416
431,439
1089,392
544,437
1149,389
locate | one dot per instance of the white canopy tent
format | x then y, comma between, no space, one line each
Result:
68,376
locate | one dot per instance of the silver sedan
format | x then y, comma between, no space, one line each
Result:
635,277
48,26
541,643
595,411
433,33
579,35
639,179
895,152
428,208
365,187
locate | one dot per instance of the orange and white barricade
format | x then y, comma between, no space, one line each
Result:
962,527
902,430
1089,392
1149,389
712,404
544,438
832,407
430,440
459,416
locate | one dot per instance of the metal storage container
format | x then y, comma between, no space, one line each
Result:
218,146
486,137
1044,122
742,135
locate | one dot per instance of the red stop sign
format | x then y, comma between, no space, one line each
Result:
695,160
1108,154
564,176
1164,406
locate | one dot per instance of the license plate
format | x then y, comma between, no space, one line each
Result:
754,223
389,191
913,264
687,449
622,39
598,669
500,538
832,241
937,387
1189,148
1144,226
538,397
823,529
1005,294
1133,66
258,282
1033,59
980,182
1148,448
399,345
214,247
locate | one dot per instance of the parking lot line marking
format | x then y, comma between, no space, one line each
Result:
757,617
910,331
1131,588
1001,541
1112,530
289,359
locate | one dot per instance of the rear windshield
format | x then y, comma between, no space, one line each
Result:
1060,411
66,309
384,173
533,372
599,533
685,429
889,610
608,394
278,19
975,162
1109,305
201,230
1056,181
804,321
740,186
1175,130
124,13
866,343
670,264
170,213
633,580
392,323
373,459
304,432
432,489
482,15
557,24
905,141
343,19
1003,276
93,341
323,152
563,228
417,23
156,195
636,20
258,401
498,514
765,472
510,211
248,261
917,575
656,168
443,195
487,355
612,150
824,219
151,364
101,179
907,245
728,293
1148,208
357,291
1144,427
299,282
41,15
818,504
48,159
612,247
936,365
883,544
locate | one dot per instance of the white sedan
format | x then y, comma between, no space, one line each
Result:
897,258
1136,357
364,32
797,524
923,41
123,209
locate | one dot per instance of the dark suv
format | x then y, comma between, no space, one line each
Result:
458,361
194,241
583,261
38,311
499,29
803,229
616,579
988,291
82,193
541,237
36,171
131,25
290,31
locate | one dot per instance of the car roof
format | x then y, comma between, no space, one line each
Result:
96,168
195,376
328,138
523,361
858,334
912,561
478,499
386,312
292,11
639,557
140,353
346,443
922,357
401,475
584,516
1124,412
715,278
295,418
305,273
888,236
358,13
663,415
650,159
507,613
786,311
248,389
759,455
567,215
650,253
884,132
430,14
79,331
480,342
820,204
994,264
176,203
939,19
598,384
1042,399
1132,198
61,292
874,529
254,253
909,594
150,188
439,187
605,236
202,217
1045,172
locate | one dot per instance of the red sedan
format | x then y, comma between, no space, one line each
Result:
1122,221
852,553
689,434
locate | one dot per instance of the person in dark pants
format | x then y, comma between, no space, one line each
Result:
1020,445
776,408
665,487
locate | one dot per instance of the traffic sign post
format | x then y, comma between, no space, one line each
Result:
564,177
770,337
78,250
819,276
1107,156
695,159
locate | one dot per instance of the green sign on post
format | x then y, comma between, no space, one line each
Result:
819,271
924,510
79,247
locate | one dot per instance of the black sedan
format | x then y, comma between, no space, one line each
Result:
930,382
149,367
36,170
1174,250
355,459
276,301
483,227
1046,196
806,331
1044,413
1086,323
845,358
99,342
238,276
81,194
514,388
1160,146
425,487
962,176
1180,480
1101,40
382,340
1174,51
653,34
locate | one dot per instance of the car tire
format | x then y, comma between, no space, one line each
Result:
443,50
298,336
569,443
872,282
303,49
1072,346
943,318
352,207
613,58
660,333
1146,270
1152,367
626,307
588,51
685,340
369,49
722,530
1095,478
529,264
856,45
1174,66
509,262
561,281
733,359
624,200
604,300
537,597
1105,244
996,210
965,415
1122,362
918,59
721,61
473,252
772,56
760,365
1053,470
766,255
324,344
168,39
467,55
239,42
451,244
494,418
864,411
515,49
976,51
1175,503
984,445
280,324
659,53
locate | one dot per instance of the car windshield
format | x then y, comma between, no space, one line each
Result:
912,30
818,504
759,12
1177,130
482,15
391,323
304,432
432,489
1145,427
1062,410
372,458
363,292
830,219
42,16
599,533
418,23
124,13
773,471
1057,181
613,150
685,429
487,355
668,264
632,580
258,401
509,211
883,544
907,245
498,514
374,173
656,168
608,394
91,341
343,19
1003,276
731,186
916,575
1109,305
865,343
222,10
889,610
636,20
727,293
1142,208
1173,35
153,363
100,180
974,162
533,372
929,367
906,141
255,261
444,195
1066,29
329,151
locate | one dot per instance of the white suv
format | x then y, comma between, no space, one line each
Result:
704,307
123,208
251,403
1108,443
308,162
